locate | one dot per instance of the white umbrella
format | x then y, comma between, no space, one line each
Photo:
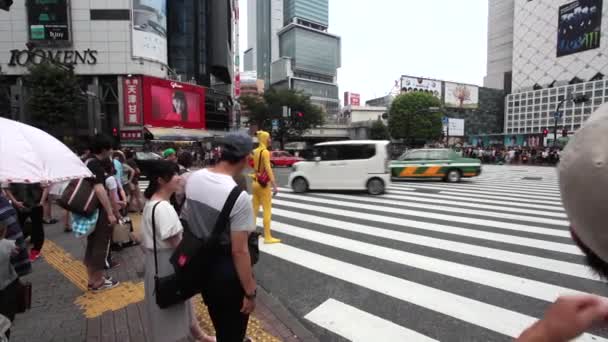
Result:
30,155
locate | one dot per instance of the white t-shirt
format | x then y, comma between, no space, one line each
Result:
111,183
167,224
206,194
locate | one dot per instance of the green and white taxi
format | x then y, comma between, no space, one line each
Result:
435,163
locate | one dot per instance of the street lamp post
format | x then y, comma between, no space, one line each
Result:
580,98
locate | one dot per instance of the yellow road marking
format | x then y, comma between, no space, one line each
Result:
95,304
408,171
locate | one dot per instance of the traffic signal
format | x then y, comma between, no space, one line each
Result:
5,4
300,115
115,131
545,132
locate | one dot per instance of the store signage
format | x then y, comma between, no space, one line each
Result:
132,92
131,135
49,22
70,57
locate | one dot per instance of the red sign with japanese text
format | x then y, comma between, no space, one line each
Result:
132,101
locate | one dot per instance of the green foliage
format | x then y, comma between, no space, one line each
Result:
379,131
269,107
55,97
411,120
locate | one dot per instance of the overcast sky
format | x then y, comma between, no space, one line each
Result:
383,39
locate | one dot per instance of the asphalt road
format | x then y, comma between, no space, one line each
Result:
475,261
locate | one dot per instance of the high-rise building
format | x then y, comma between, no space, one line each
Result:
291,48
500,44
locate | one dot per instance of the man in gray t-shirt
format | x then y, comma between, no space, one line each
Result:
229,289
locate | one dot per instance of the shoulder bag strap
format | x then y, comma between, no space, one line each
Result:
260,161
154,239
224,218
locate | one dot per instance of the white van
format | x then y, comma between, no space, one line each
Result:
344,165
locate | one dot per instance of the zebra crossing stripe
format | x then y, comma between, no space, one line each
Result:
429,215
434,206
485,315
357,325
501,281
504,198
481,191
434,227
410,193
410,198
526,260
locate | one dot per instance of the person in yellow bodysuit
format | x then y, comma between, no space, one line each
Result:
263,194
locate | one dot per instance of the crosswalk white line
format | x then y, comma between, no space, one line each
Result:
504,188
485,315
457,204
450,209
526,260
461,199
457,192
429,215
359,326
458,189
469,233
502,281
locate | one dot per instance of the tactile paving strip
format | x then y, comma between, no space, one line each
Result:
95,304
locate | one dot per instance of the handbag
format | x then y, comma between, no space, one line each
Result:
79,197
262,177
167,289
121,233
84,225
24,296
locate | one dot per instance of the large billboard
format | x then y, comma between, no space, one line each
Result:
149,30
49,22
458,95
352,99
579,26
173,104
409,84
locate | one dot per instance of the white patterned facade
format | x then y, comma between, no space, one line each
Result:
535,58
536,65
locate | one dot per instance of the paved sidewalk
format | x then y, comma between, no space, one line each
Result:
62,309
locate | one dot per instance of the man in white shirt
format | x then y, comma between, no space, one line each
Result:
229,288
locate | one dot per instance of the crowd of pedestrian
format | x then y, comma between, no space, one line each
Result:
514,155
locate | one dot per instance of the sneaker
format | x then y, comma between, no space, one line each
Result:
34,255
106,285
51,221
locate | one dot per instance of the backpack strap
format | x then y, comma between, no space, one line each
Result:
222,221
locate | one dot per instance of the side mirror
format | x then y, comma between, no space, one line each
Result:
317,159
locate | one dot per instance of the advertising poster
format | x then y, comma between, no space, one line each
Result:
459,95
173,104
352,99
49,22
149,33
579,27
454,127
409,84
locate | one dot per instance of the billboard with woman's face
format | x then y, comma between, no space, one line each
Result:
173,104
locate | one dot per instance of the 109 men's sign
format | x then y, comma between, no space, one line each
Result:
68,57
